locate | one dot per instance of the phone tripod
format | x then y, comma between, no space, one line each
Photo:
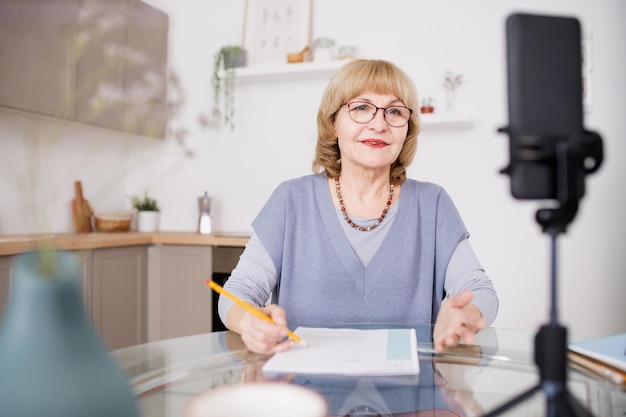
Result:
551,359
551,153
551,339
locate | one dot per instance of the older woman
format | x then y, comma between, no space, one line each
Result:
358,242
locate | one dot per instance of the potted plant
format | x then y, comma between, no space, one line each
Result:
147,212
225,61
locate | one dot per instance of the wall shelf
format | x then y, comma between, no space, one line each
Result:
282,72
433,121
312,70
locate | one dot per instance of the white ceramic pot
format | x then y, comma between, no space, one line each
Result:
147,221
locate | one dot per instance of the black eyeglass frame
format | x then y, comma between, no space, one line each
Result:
384,109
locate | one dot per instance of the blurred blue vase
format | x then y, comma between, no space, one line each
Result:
51,362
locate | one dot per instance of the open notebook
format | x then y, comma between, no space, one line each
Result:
338,351
604,355
608,349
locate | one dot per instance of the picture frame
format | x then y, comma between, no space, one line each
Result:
275,28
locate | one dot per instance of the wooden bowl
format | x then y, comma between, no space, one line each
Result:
114,221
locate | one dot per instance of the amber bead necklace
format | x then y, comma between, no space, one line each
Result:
349,220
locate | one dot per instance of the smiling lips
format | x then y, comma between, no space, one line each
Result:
374,143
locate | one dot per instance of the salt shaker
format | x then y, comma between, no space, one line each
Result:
204,223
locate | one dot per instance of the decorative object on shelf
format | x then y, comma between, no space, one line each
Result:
347,52
273,29
227,59
51,361
146,203
323,50
147,213
113,221
302,56
81,211
427,106
450,83
204,223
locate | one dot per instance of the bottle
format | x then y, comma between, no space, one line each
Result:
204,223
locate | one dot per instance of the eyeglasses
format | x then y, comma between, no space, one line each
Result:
363,112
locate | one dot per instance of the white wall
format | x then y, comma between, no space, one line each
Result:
275,136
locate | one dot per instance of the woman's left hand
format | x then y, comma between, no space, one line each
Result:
457,320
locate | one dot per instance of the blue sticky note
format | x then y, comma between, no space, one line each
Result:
398,344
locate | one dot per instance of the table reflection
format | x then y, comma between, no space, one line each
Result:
465,381
386,396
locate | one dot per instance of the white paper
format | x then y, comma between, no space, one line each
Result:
349,352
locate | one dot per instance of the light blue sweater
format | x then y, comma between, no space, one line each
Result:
322,281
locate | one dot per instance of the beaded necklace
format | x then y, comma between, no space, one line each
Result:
349,220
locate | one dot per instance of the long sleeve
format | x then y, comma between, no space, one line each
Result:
465,273
253,278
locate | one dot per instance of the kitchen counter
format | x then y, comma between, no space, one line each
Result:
138,287
14,244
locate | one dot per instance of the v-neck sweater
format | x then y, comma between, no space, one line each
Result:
321,279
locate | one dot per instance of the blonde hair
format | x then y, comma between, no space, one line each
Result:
354,78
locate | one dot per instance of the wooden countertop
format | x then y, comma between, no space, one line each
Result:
14,244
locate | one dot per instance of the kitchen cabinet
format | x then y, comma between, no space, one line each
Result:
146,111
140,287
99,74
115,288
97,62
35,55
122,68
114,292
180,302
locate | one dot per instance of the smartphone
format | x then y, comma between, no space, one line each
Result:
545,101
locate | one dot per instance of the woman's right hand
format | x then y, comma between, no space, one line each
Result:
260,335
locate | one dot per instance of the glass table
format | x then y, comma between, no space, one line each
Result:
465,381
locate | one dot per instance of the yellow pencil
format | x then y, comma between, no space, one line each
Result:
219,289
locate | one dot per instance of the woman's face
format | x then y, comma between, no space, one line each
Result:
373,145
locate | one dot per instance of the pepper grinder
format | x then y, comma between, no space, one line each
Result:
204,224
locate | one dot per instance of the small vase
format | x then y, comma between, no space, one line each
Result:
51,362
147,221
450,97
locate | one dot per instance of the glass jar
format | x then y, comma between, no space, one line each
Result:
347,52
323,49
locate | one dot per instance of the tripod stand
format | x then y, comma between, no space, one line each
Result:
551,358
551,339
551,153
